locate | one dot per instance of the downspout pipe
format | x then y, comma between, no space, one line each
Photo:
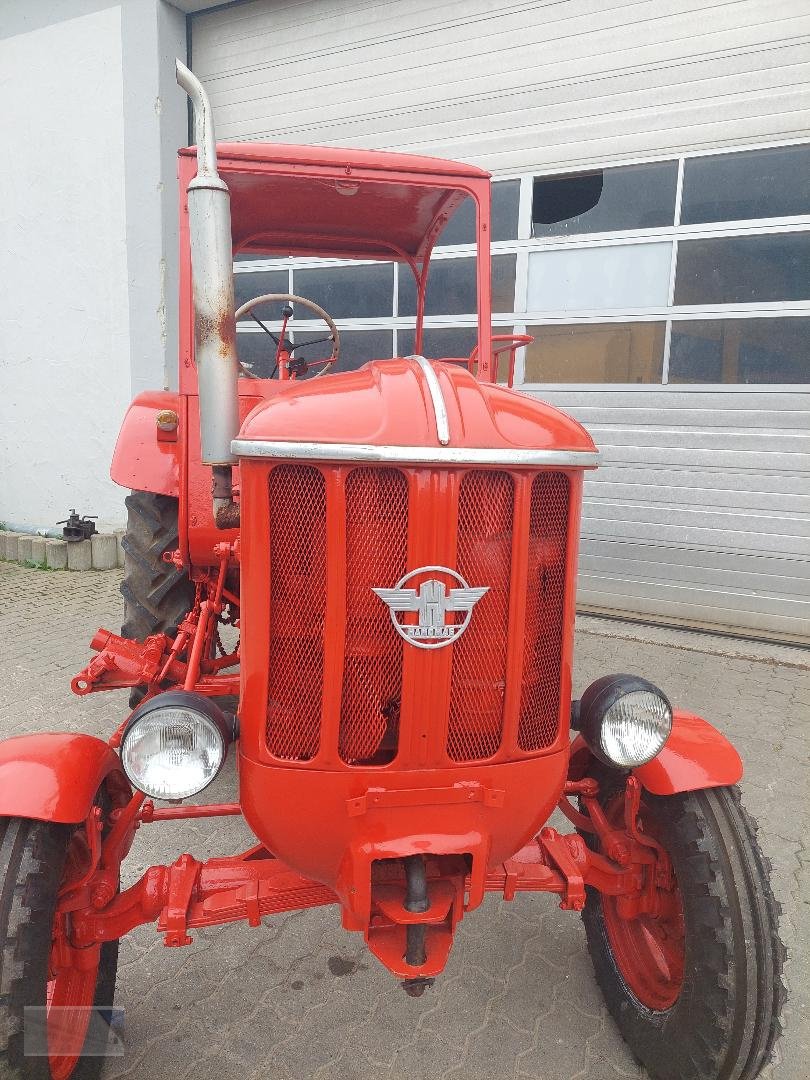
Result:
209,218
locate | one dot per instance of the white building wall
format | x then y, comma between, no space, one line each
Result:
64,348
90,123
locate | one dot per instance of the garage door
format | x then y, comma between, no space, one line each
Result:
673,323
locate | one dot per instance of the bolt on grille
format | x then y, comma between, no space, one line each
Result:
545,595
297,610
376,552
485,512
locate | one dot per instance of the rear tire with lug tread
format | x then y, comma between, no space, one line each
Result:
32,861
157,595
725,1017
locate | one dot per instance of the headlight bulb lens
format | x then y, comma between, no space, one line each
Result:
172,750
625,720
635,728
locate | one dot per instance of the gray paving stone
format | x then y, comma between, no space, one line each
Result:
517,998
24,542
104,551
56,554
38,550
10,545
80,555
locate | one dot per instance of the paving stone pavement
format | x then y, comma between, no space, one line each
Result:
299,998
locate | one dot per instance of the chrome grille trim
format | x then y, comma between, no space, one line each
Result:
416,455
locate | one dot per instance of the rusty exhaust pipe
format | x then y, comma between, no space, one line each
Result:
209,216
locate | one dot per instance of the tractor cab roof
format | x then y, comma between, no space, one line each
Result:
340,203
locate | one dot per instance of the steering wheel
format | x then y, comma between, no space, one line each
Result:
288,365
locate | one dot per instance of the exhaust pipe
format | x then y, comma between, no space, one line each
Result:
209,216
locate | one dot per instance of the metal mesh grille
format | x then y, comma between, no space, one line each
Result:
297,610
485,510
545,593
376,556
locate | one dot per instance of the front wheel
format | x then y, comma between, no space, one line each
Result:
36,971
696,991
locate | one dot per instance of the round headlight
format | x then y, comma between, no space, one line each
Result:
174,745
625,720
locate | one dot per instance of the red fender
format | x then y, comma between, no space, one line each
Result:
55,776
694,756
147,458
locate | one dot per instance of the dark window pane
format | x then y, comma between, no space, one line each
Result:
743,269
454,342
754,184
257,351
460,229
439,342
246,286
357,347
604,200
452,287
596,353
740,351
349,292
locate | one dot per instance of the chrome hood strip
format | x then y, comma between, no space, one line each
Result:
416,455
439,407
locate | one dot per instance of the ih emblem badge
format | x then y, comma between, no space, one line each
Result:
431,599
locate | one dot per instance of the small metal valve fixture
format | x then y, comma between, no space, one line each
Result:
78,527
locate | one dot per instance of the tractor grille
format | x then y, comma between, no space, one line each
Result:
297,611
376,550
342,681
478,684
545,595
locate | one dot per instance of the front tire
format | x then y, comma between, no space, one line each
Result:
33,860
698,996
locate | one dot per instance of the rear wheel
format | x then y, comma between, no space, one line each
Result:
696,991
157,595
36,968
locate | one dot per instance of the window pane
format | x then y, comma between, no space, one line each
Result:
604,200
439,342
246,286
349,292
754,184
740,351
460,229
743,269
257,351
599,278
452,288
357,347
596,353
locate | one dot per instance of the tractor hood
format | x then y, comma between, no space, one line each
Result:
412,410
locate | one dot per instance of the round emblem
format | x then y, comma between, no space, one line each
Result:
432,606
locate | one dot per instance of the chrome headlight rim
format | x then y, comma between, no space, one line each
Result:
185,701
595,707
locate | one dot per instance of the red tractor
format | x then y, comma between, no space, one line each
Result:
397,546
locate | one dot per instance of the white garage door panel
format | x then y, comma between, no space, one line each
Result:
687,491
492,94
701,508
713,608
768,574
509,86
